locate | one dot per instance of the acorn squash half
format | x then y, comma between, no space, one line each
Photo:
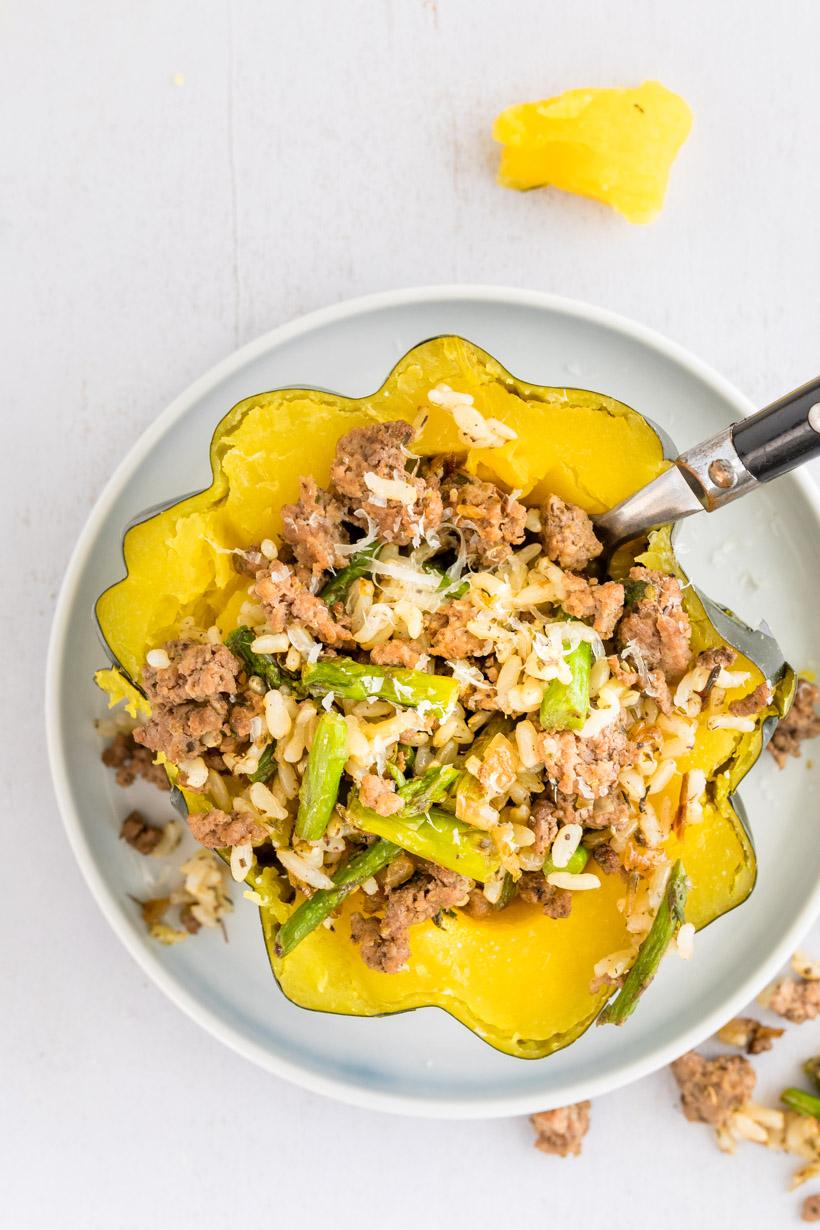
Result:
519,980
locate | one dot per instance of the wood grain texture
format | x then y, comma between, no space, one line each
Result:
179,176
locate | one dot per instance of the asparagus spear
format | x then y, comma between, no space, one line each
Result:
436,836
420,793
812,1069
435,694
564,706
359,566
320,784
265,768
668,919
803,1103
262,664
307,916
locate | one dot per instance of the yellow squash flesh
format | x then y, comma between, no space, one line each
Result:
519,980
616,146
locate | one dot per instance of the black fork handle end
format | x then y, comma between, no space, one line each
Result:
782,436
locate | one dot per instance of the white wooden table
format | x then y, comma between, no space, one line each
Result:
177,177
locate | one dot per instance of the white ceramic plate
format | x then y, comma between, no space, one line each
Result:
424,1062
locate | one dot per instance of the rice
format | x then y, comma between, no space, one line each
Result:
662,776
277,717
194,773
685,941
270,643
391,489
525,742
582,882
241,861
302,870
158,659
565,844
719,721
266,802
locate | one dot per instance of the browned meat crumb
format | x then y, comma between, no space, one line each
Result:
713,1089
447,629
242,714
561,1131
717,658
534,889
286,600
379,795
801,722
608,859
381,450
397,872
750,1035
189,920
137,832
384,942
477,905
656,627
544,820
569,539
179,731
795,1001
397,653
216,828
196,672
653,684
492,522
603,604
746,706
313,528
810,1209
132,761
586,766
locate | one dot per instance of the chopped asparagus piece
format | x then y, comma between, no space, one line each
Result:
420,793
434,694
804,1103
359,566
436,836
307,916
577,862
266,765
262,664
320,784
565,706
666,923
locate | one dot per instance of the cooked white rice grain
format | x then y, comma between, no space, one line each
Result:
266,802
525,742
158,659
565,844
302,870
582,882
391,489
241,861
277,717
804,967
271,642
288,780
268,548
194,772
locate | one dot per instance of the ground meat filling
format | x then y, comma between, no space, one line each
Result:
534,889
569,539
286,601
448,632
379,795
713,1089
132,761
603,604
384,943
313,528
365,458
588,768
217,829
795,1001
655,629
492,523
607,858
545,817
801,722
182,732
397,653
747,706
562,1130
195,672
139,834
810,1209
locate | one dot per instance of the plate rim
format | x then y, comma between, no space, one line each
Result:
346,1090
